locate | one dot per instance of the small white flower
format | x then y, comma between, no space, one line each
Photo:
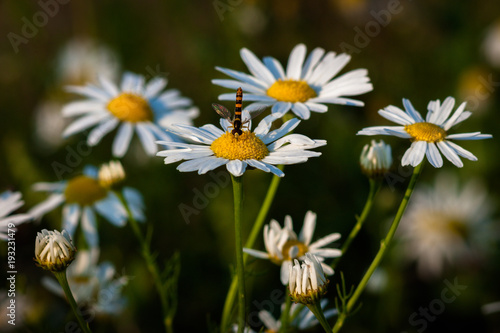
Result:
447,224
93,285
304,87
283,245
133,105
261,149
54,250
376,159
430,134
82,196
307,281
9,202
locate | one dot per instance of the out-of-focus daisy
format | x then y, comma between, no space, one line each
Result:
92,284
9,202
132,105
283,245
82,196
261,149
303,320
446,224
304,87
491,44
83,60
430,134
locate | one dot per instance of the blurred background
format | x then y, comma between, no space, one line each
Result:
420,50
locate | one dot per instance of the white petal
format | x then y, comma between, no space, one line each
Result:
469,136
434,156
280,108
240,76
89,227
411,111
444,111
461,151
81,107
46,206
453,119
324,241
100,131
449,153
71,215
147,138
307,231
275,67
301,110
154,87
255,253
232,84
256,67
280,132
236,167
84,122
90,91
295,61
311,62
285,272
195,164
326,253
122,139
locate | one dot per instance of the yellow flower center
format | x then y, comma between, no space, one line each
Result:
426,132
286,251
291,91
84,191
131,108
239,147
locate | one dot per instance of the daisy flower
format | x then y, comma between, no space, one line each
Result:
283,245
307,281
92,284
132,105
84,195
9,202
446,224
304,320
261,149
430,134
304,87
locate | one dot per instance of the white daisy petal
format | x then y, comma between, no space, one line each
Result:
275,67
81,107
122,140
83,123
109,86
279,109
324,241
444,111
90,91
412,112
453,119
469,136
256,67
71,215
307,231
236,167
434,156
154,87
461,151
243,77
295,61
100,131
195,164
255,253
449,153
147,138
301,110
311,62
233,84
89,227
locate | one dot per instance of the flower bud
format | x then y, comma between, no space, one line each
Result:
375,159
54,250
111,174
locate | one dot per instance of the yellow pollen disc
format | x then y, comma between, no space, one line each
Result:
239,147
84,191
286,250
426,132
291,91
131,108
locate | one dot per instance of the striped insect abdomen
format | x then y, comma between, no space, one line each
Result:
237,113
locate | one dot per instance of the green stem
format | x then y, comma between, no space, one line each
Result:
63,281
254,233
384,244
150,263
318,313
285,314
240,267
374,188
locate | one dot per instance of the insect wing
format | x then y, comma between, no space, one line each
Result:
222,111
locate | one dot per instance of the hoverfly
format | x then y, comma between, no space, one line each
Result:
236,122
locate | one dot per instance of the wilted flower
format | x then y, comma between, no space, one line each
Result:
307,282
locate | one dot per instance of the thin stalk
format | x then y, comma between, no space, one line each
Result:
63,281
318,313
254,233
384,244
240,267
285,314
374,188
150,263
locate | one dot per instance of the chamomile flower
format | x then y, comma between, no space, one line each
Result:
84,195
304,87
430,134
283,245
447,224
261,149
9,202
307,281
92,284
54,250
132,105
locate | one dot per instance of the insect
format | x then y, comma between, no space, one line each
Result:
236,122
